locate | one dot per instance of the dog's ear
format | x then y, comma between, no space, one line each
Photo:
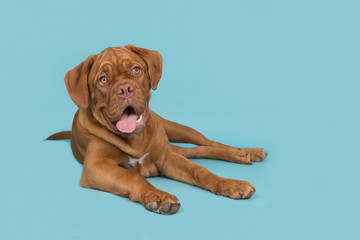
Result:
76,82
153,60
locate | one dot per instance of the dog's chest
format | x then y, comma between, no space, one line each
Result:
135,161
142,165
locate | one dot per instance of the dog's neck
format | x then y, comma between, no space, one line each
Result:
134,145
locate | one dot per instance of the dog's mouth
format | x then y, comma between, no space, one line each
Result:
129,121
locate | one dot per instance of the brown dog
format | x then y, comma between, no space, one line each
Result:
120,141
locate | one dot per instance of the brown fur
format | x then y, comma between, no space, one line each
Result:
106,152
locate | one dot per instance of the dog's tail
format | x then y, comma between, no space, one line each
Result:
60,135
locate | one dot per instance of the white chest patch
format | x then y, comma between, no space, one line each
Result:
133,161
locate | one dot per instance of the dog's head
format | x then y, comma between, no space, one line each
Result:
115,86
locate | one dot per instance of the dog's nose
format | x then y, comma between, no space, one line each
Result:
125,90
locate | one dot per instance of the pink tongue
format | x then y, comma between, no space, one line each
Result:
127,123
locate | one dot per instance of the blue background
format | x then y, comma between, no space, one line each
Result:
282,75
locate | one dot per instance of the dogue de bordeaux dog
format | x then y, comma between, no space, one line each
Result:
121,142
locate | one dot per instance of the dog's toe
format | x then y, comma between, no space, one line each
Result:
152,206
165,208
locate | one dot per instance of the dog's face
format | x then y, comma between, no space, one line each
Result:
115,85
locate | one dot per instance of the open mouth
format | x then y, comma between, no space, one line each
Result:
129,120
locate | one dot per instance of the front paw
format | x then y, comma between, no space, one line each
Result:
235,189
161,202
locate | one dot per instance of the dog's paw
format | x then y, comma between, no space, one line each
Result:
239,156
161,202
235,189
256,154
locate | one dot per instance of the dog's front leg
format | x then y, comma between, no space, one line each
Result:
178,167
102,172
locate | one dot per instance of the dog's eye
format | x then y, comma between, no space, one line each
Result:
136,70
104,80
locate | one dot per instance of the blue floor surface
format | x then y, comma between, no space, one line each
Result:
282,75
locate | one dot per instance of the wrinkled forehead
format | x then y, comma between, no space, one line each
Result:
117,60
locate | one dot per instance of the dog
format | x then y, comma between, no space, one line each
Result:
121,142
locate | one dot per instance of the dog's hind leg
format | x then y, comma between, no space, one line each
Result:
230,155
183,134
208,148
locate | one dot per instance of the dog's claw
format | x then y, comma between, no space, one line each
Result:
251,192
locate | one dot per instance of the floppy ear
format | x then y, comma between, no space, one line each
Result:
76,82
153,60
